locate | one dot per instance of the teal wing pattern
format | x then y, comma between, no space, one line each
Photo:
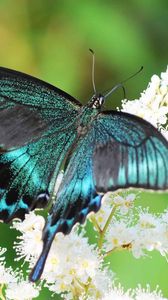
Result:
26,174
76,197
132,154
37,127
30,108
118,151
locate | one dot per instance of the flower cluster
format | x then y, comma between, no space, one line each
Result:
136,230
117,293
123,202
153,103
12,284
72,264
74,268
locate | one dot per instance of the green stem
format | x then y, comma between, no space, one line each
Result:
109,252
119,248
103,231
96,225
1,294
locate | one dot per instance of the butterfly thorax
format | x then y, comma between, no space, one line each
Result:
88,114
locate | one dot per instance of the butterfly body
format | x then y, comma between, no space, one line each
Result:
43,129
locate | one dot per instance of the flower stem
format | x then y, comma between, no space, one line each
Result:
96,225
1,294
103,231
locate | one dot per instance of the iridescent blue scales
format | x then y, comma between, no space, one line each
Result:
43,129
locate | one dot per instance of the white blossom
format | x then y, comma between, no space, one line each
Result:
23,290
6,274
71,260
147,232
30,244
153,102
12,285
139,293
119,235
123,201
118,293
146,294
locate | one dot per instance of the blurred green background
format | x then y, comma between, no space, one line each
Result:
50,39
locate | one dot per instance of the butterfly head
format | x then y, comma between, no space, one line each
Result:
97,101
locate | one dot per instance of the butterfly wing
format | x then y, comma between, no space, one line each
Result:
26,174
91,168
37,127
132,154
76,197
30,107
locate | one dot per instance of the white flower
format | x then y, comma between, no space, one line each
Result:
30,244
139,232
122,201
147,220
153,103
6,274
21,291
2,251
119,235
151,234
12,285
164,77
71,260
117,293
146,294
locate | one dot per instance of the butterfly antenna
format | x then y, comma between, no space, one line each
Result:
93,70
120,85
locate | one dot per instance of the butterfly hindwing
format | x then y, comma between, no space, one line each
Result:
30,108
76,197
99,163
135,154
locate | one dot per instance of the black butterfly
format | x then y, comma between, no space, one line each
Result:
43,129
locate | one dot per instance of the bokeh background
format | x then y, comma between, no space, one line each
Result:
50,39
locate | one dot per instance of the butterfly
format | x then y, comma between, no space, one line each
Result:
43,129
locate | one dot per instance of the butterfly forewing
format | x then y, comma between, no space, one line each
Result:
30,108
36,130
